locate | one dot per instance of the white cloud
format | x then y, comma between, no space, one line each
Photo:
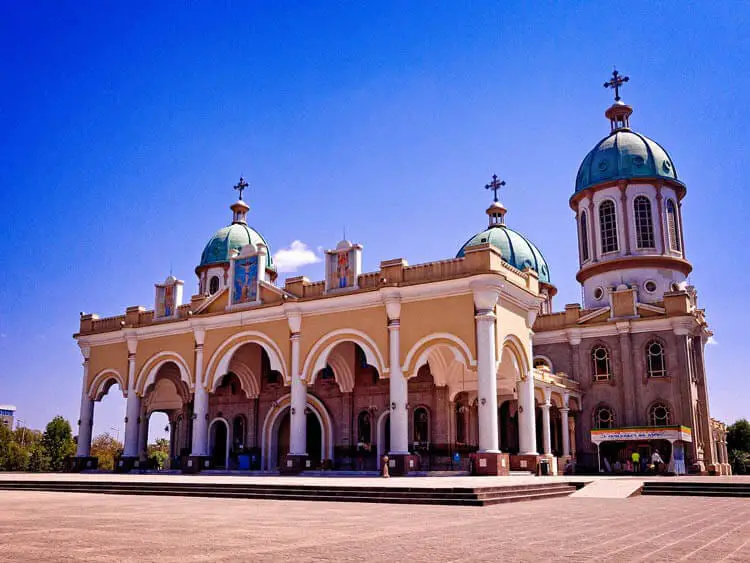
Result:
297,255
712,341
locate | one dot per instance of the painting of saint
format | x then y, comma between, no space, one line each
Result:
169,300
245,280
342,269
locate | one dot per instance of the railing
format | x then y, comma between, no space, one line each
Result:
434,270
107,324
315,289
369,280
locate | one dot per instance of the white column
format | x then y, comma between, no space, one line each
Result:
546,428
565,431
200,401
399,392
143,434
86,418
527,408
398,384
298,424
298,418
133,407
487,374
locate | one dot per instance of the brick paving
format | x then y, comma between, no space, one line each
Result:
37,526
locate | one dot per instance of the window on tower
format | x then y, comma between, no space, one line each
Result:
584,237
608,226
659,415
604,417
213,285
673,226
644,224
655,359
600,363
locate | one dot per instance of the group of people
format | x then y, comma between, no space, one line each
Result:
634,462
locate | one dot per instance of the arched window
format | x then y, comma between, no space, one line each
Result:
421,425
600,363
213,285
644,224
461,423
608,226
584,237
673,226
326,374
655,359
659,415
542,363
364,435
604,417
238,431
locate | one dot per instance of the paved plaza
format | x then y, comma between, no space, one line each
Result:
40,526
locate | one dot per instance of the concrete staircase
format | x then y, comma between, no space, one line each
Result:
697,489
455,496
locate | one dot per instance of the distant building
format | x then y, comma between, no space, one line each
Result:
7,413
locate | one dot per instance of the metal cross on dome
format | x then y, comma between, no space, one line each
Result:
617,81
495,185
241,185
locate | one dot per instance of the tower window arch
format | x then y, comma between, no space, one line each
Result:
213,285
673,226
600,363
608,226
644,223
584,237
421,425
655,359
659,414
604,417
364,428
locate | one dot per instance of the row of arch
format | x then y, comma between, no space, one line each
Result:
654,353
446,352
643,219
658,414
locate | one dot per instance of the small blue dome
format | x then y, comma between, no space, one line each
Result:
622,155
233,237
515,249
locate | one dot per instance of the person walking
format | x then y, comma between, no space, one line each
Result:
657,461
635,457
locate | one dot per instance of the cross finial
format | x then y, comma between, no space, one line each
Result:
616,81
241,185
495,185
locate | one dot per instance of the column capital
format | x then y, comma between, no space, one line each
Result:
294,318
392,301
199,334
564,410
394,324
486,292
85,351
485,315
132,344
295,337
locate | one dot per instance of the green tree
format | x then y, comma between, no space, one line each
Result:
58,442
6,439
738,436
158,453
106,448
38,460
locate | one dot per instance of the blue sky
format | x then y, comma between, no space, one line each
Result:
123,128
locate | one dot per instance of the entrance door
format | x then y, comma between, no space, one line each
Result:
282,445
219,453
314,440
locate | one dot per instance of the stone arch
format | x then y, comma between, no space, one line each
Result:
219,362
103,381
556,399
317,357
211,439
547,361
418,355
273,419
517,348
239,364
150,369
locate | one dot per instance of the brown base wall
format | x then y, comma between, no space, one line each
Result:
294,464
491,464
524,463
399,465
195,463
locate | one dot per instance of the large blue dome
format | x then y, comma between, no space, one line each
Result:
515,249
235,236
623,155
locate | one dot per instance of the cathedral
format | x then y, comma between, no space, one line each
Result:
459,364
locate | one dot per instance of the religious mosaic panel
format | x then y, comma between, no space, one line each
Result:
166,300
245,282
